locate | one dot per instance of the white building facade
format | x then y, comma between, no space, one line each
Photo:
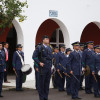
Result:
64,21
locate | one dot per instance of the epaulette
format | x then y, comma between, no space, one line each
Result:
52,52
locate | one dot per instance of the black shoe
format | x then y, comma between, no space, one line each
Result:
68,93
7,82
1,96
45,99
97,96
74,98
79,98
61,90
81,88
89,92
20,90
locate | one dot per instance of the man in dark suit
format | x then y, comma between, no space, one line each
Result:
74,64
96,80
17,65
68,79
61,62
55,76
82,75
2,67
88,60
36,70
5,49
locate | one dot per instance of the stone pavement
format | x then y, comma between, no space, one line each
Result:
28,84
32,94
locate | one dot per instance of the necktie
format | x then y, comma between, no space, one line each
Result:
6,55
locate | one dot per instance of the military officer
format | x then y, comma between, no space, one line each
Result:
60,62
2,67
88,60
17,65
82,75
68,79
43,57
55,80
96,79
36,70
74,63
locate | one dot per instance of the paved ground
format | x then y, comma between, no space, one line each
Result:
30,94
28,84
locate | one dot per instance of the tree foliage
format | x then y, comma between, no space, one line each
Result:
9,9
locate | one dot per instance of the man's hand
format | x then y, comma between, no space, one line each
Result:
71,72
93,73
41,64
83,69
4,70
37,69
58,70
13,69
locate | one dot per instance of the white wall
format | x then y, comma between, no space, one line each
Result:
74,14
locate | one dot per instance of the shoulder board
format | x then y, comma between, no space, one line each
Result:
52,52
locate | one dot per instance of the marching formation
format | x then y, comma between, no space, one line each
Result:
70,67
62,64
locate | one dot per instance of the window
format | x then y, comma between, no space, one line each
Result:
57,38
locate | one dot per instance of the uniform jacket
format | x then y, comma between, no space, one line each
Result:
74,62
17,61
55,56
88,58
61,61
97,63
43,54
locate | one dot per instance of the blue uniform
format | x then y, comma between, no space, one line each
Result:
61,62
36,74
82,76
68,79
17,64
56,74
96,85
74,63
2,67
43,54
88,59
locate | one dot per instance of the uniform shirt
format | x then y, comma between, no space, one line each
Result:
88,58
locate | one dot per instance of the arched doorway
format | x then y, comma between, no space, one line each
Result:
13,36
56,31
91,33
12,41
